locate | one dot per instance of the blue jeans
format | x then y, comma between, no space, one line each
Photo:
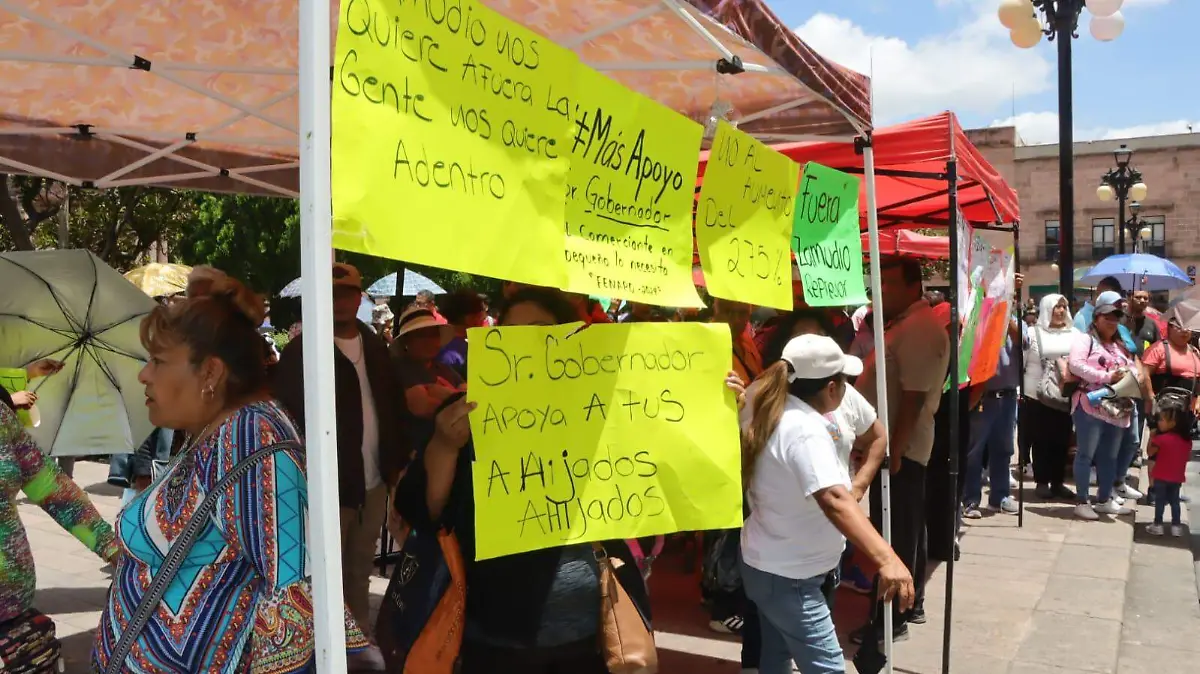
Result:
1166,493
1130,446
992,428
1099,442
796,624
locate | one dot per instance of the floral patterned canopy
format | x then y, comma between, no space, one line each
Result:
204,94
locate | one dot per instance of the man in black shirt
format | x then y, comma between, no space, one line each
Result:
1143,325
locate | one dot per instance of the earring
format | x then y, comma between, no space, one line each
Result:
208,393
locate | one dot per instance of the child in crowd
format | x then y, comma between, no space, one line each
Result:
1170,449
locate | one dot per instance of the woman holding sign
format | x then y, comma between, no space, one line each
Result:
802,509
535,612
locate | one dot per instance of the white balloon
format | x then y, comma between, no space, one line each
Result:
1107,28
1013,12
1104,7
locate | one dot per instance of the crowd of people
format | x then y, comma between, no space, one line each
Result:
210,551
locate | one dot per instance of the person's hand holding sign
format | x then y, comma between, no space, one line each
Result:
735,384
452,430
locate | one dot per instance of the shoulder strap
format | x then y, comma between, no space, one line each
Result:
179,552
1037,331
1167,357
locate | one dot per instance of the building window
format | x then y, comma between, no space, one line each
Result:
1157,243
1050,245
1103,238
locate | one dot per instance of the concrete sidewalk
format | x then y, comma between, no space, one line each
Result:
1058,596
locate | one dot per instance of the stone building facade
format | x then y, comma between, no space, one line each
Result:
1170,167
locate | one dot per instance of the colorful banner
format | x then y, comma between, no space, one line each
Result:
744,220
451,139
826,238
629,196
606,432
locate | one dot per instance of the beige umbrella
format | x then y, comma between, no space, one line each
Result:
158,279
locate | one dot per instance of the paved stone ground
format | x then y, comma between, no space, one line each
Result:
1057,595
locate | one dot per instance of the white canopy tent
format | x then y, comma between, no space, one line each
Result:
222,96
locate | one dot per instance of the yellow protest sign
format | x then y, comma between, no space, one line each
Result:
607,432
744,220
629,196
450,139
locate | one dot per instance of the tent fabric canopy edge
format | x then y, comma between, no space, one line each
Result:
137,105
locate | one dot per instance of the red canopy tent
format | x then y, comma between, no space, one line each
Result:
914,164
907,243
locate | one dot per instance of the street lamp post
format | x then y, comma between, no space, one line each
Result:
1027,21
1124,182
1138,230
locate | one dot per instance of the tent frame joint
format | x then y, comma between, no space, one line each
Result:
85,131
87,184
862,142
731,66
140,63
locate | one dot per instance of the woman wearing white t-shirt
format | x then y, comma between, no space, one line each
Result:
802,510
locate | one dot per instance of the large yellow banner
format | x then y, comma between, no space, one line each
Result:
450,139
744,220
629,196
598,433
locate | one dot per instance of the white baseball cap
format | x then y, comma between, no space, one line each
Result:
818,357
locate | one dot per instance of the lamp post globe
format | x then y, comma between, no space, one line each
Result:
1107,28
1027,34
1013,12
1105,193
1138,191
1104,7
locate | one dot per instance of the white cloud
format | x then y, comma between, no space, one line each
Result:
1037,128
973,68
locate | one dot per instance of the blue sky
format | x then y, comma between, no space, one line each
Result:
1147,82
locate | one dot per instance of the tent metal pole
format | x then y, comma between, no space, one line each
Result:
885,474
316,244
955,416
1019,354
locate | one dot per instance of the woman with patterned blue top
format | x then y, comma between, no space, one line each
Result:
239,601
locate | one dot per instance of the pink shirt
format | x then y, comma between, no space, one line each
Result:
1094,362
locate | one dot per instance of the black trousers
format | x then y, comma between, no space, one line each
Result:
1049,432
908,523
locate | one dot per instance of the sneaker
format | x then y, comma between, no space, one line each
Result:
1111,507
1176,530
1028,471
916,616
971,512
731,625
1043,491
899,633
1086,512
1154,529
1116,498
1008,506
1013,483
1129,492
1059,491
856,581
1184,498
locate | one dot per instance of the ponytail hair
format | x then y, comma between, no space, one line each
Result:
766,410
